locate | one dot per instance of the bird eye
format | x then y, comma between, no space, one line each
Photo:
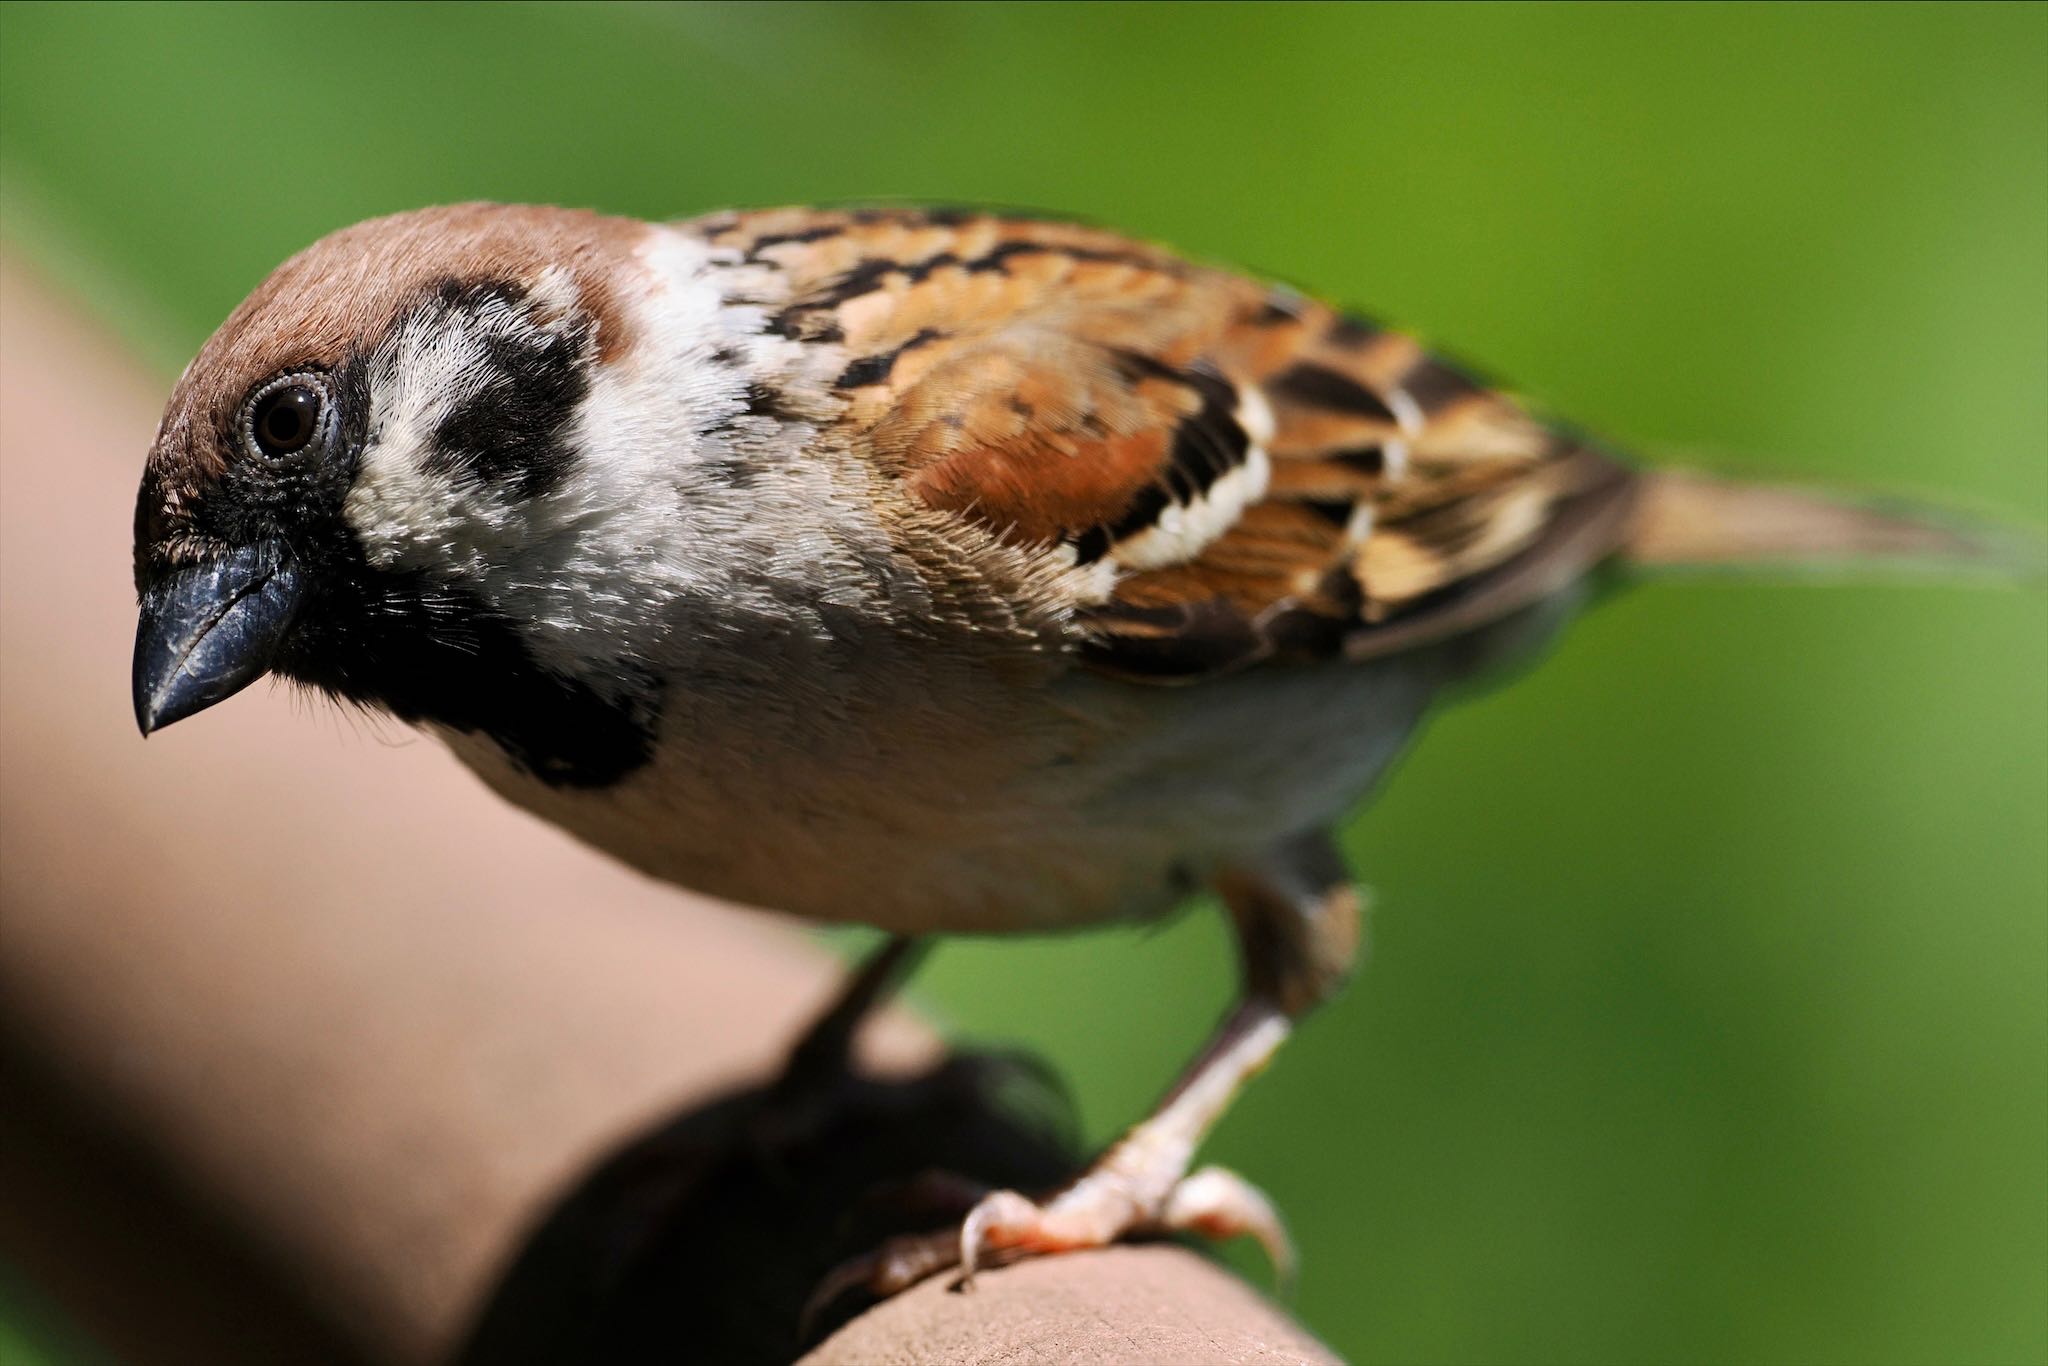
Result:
285,415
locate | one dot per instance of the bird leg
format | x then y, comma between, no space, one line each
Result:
1297,915
1141,1184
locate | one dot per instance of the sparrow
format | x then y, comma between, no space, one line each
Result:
942,571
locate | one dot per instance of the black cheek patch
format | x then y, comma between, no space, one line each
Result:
514,430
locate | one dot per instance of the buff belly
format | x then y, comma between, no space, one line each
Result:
990,808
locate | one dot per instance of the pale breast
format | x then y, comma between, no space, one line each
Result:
948,796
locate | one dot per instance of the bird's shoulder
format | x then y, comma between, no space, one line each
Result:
1235,471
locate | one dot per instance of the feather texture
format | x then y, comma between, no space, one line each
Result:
1261,474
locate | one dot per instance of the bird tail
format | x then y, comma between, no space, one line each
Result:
1686,521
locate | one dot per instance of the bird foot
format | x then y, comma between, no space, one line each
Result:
1105,1206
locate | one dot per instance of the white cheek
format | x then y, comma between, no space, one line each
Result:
601,559
404,514
677,494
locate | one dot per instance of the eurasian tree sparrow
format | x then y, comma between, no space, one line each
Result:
944,572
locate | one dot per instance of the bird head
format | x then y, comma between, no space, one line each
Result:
411,467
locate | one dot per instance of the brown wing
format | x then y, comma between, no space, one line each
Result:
1253,474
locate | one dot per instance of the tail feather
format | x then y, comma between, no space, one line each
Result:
1685,520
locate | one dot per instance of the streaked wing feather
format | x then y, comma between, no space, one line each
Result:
1259,475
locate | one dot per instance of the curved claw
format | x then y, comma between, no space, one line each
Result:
999,1220
1218,1203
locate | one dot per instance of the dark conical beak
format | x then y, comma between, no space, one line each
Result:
207,631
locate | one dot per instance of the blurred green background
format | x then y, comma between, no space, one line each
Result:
1708,1011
